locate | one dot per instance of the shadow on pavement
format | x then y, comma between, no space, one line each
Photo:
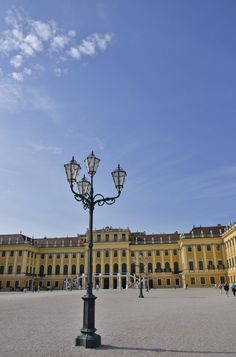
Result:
110,347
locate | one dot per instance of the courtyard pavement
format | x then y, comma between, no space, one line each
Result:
166,323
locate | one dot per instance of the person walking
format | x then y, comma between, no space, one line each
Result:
140,285
226,289
234,289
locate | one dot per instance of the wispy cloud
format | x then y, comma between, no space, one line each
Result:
14,97
26,39
45,148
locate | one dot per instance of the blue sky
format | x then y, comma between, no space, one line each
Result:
147,84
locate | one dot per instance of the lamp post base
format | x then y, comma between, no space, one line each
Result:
88,340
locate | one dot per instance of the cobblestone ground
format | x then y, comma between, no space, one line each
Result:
193,322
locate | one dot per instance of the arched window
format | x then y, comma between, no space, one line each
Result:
176,267
81,269
65,270
158,268
107,268
57,269
41,270
115,268
73,269
124,268
141,267
133,268
167,267
149,267
98,268
49,270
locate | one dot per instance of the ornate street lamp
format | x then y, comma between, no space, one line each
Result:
85,194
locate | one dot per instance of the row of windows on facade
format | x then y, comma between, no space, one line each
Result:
108,238
199,247
149,252
210,265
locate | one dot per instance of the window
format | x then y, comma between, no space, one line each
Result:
107,237
222,279
167,267
8,284
199,248
82,255
202,280
57,269
48,284
189,248
158,252
210,264
65,270
42,256
56,284
141,267
3,253
66,255
175,251
98,268
74,255
149,253
158,268
10,268
73,269
49,270
123,253
18,269
212,279
208,247
123,237
107,268
192,280
167,281
1,269
220,264
190,264
115,253
150,267
50,256
41,270
115,268
107,253
132,254
218,247
98,254
12,253
159,282
133,268
98,238
124,268
115,237
81,269
58,256
166,252
176,267
200,265
20,253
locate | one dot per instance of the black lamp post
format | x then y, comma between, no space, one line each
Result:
85,194
147,276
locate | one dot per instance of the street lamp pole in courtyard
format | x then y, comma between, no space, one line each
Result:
85,194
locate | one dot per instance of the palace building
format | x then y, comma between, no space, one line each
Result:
201,258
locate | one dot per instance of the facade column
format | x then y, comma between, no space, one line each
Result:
69,264
119,281
204,257
111,270
61,267
102,261
15,262
137,266
171,260
214,255
37,263
24,261
54,264
119,260
195,265
162,259
6,263
153,262
128,260
46,264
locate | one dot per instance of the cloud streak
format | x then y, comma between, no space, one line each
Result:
25,40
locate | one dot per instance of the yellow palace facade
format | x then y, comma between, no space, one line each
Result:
203,257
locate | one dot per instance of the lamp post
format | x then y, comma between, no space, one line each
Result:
147,275
85,194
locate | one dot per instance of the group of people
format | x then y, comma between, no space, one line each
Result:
226,288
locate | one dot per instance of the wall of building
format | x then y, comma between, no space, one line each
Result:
119,259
